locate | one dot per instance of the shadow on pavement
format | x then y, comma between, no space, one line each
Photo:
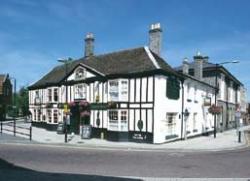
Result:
10,172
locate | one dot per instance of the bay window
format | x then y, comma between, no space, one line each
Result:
118,120
118,90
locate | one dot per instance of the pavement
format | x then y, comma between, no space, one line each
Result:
227,140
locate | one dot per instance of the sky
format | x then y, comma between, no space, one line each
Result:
35,34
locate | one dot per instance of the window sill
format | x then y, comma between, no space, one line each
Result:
171,136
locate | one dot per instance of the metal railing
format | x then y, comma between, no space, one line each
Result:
11,126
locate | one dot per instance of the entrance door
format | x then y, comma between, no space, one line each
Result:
75,120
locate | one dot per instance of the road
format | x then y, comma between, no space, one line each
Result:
128,163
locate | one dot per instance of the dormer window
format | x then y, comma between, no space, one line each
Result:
80,73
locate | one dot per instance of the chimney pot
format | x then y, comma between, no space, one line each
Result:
155,38
185,66
198,66
89,44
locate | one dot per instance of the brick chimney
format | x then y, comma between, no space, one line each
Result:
185,66
155,38
89,45
198,66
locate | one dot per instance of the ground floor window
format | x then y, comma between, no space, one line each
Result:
39,114
55,116
49,116
118,120
113,116
124,116
171,123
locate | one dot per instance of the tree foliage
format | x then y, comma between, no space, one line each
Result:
22,99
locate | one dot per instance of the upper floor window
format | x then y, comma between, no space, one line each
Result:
37,94
173,88
113,90
80,73
118,90
80,91
50,95
56,94
124,89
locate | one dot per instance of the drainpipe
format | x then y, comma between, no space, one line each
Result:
182,108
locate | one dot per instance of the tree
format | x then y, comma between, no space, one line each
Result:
23,101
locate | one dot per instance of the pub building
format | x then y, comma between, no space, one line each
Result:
133,95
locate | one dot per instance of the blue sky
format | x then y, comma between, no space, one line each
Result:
34,34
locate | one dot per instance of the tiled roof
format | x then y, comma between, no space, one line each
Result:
121,62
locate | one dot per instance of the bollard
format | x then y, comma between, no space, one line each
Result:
30,133
14,124
239,140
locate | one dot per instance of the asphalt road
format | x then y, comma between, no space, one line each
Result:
97,163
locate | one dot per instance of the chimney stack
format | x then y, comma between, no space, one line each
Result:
198,66
89,45
185,66
155,38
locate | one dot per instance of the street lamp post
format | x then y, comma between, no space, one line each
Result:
66,62
14,106
217,89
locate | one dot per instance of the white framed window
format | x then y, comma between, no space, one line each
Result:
49,115
124,117
55,94
113,116
80,91
171,123
36,94
123,120
124,89
118,120
49,95
55,116
80,73
114,90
